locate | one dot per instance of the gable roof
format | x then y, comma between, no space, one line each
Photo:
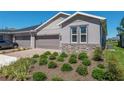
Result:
52,19
82,13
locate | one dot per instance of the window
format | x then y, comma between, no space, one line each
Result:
83,34
74,34
79,34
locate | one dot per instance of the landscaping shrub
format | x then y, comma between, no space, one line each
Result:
43,61
55,53
43,56
82,55
52,57
101,66
60,59
39,76
82,70
63,54
17,70
72,60
52,64
86,62
34,60
7,71
35,56
113,72
66,67
57,79
98,74
97,56
47,53
74,56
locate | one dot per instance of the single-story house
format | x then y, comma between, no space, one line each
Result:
63,31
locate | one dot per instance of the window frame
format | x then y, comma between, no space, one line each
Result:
80,34
74,34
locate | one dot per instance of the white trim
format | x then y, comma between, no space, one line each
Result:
82,13
51,19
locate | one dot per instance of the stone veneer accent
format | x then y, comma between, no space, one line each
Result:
78,47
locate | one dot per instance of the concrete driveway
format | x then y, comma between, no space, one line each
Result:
30,52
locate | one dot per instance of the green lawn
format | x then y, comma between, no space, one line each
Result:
117,53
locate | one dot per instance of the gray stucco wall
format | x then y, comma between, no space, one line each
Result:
52,27
93,26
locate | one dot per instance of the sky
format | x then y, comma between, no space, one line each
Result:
20,19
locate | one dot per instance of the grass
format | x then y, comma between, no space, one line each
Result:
118,54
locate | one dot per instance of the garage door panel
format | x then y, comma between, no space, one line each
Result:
23,41
44,42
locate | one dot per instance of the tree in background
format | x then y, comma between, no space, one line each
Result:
120,30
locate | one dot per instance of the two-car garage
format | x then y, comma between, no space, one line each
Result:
45,41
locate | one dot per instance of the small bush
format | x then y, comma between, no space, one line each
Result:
55,53
82,55
34,60
82,70
72,60
52,57
97,56
35,56
47,53
86,62
74,56
57,79
66,67
98,74
43,61
39,76
43,56
63,54
52,65
101,66
60,59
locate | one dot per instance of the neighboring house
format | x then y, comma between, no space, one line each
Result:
78,31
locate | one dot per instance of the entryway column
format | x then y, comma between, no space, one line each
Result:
32,40
13,38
